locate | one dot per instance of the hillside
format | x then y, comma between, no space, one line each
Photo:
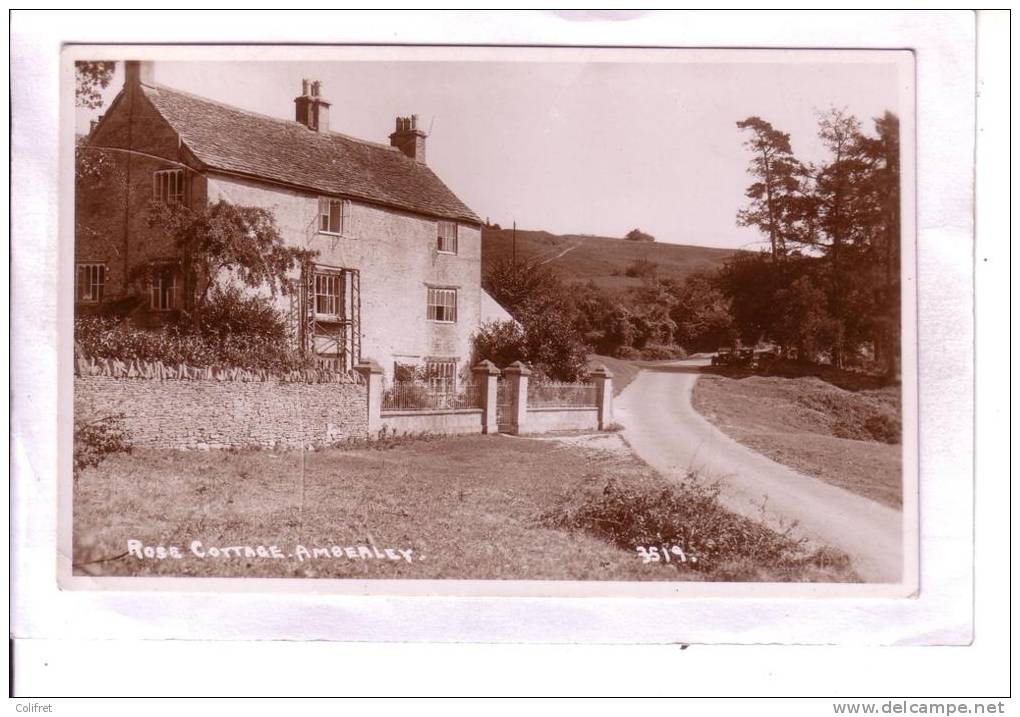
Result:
603,260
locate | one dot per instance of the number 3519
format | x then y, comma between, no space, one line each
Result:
664,554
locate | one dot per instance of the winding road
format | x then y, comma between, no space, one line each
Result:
663,428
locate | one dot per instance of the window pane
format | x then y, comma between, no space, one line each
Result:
442,304
329,290
447,237
334,216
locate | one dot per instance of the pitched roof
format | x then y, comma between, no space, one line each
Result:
235,140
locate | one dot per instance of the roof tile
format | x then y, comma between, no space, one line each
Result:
235,140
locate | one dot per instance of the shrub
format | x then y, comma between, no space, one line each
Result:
641,269
659,352
638,235
688,514
863,416
228,312
100,337
95,439
627,353
501,342
884,428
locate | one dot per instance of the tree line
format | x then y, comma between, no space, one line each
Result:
827,288
829,282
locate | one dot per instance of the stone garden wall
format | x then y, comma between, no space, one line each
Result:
183,407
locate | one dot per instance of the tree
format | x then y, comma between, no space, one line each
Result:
502,342
844,289
802,320
882,153
90,79
848,211
786,302
776,197
650,316
98,174
223,242
92,164
538,299
638,235
701,313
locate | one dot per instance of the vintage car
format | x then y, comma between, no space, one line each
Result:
745,358
723,357
741,358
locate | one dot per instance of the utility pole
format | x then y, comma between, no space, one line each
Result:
514,235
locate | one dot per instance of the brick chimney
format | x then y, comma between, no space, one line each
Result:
136,72
310,109
409,139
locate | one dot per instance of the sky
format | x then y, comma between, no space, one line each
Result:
575,147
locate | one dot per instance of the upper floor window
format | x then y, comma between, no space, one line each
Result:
447,237
168,186
334,215
90,283
442,305
164,289
329,293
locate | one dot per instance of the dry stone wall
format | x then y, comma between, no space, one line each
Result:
188,408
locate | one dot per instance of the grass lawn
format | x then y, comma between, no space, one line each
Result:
814,427
465,507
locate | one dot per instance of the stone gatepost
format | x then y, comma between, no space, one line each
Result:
373,375
487,375
517,374
602,377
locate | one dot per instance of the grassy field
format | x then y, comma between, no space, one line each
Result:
463,507
846,438
600,259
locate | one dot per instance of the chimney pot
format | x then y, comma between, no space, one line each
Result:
310,109
409,139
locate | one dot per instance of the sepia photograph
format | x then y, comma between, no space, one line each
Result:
565,316
523,353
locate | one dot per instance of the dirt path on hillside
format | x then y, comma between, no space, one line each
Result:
561,254
665,430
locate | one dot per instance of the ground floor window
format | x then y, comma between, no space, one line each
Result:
164,289
90,283
441,374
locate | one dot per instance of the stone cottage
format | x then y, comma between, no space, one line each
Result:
397,276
